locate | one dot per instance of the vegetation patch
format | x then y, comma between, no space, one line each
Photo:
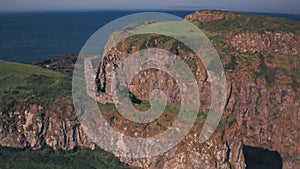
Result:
26,82
48,159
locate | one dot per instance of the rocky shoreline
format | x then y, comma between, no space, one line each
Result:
63,64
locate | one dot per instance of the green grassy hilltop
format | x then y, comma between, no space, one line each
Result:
26,82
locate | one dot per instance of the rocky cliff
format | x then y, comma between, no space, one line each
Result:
261,57
263,88
31,126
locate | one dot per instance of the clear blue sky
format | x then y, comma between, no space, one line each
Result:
278,6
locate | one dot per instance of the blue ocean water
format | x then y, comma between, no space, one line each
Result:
29,37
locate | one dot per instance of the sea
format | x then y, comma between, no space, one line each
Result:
33,36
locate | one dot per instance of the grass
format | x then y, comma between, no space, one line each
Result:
181,28
232,64
47,159
268,73
26,82
217,40
240,22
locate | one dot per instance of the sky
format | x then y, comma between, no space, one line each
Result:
273,6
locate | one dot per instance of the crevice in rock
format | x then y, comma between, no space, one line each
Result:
134,99
97,80
100,80
227,158
229,95
259,158
41,136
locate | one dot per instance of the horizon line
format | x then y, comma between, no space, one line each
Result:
133,9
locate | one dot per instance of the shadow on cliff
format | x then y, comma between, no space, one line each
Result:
258,158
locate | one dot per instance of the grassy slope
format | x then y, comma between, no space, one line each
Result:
241,22
25,82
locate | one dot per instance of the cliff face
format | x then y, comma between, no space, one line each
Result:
32,126
263,90
262,110
266,117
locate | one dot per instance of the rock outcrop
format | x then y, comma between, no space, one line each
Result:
286,43
33,126
207,16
